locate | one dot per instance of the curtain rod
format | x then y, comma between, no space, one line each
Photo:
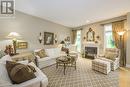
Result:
113,21
77,29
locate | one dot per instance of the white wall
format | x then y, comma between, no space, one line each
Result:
29,28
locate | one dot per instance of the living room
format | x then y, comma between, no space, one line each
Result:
64,43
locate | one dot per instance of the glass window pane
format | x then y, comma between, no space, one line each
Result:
78,40
108,36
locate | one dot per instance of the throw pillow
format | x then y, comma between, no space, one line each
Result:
19,73
2,53
111,55
41,53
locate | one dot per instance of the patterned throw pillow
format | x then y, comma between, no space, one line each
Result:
19,73
41,53
111,55
2,53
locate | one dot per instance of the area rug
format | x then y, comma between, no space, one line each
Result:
83,76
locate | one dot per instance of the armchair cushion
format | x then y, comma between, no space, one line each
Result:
41,53
111,55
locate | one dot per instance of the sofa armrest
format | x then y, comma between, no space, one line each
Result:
117,59
101,55
36,60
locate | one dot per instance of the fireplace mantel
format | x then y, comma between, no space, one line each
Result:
92,44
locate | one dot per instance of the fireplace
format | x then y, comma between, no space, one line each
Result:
90,52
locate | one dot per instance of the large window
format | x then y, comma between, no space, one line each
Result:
78,40
109,42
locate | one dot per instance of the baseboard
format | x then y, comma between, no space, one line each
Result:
128,65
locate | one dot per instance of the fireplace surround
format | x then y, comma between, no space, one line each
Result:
90,52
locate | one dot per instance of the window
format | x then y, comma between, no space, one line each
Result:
78,40
109,42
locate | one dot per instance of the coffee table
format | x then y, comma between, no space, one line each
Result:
66,61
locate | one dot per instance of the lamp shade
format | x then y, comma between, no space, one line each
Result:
14,35
121,33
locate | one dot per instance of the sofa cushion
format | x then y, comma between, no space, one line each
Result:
53,52
105,59
5,58
41,53
50,52
23,62
19,73
111,55
2,53
57,52
43,59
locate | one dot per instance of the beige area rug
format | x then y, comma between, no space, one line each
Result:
84,76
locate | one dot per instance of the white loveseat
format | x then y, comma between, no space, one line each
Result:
52,54
40,81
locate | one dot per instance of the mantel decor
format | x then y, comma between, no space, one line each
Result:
48,38
90,35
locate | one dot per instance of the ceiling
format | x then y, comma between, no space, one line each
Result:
74,13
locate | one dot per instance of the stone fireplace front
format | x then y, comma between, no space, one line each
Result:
91,49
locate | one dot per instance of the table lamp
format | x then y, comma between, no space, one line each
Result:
14,36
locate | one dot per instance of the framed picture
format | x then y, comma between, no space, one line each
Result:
22,45
48,38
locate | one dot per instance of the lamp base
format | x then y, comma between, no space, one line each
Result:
14,54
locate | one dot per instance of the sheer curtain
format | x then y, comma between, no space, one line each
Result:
74,35
118,27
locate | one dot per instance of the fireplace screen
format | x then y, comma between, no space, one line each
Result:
90,52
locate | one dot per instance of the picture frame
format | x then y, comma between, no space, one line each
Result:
48,38
22,45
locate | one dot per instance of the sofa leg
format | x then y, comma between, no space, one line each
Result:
75,65
64,68
56,65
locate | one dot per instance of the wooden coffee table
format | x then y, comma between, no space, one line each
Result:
66,61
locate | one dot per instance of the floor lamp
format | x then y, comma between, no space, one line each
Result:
14,36
120,45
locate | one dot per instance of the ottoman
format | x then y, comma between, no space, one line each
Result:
101,66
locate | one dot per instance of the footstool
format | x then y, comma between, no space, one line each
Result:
101,66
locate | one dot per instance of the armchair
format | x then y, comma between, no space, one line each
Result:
111,55
73,51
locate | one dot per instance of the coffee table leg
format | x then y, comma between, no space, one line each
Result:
64,68
75,65
56,65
